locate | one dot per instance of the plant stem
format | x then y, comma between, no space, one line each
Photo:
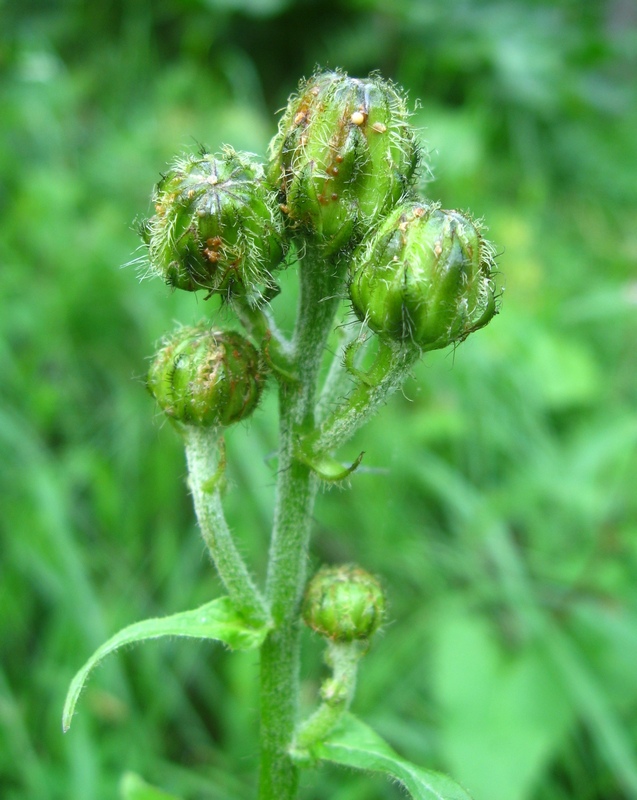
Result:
390,369
296,491
204,454
337,693
339,380
260,324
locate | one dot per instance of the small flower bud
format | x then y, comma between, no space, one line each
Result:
206,377
217,225
345,153
425,277
344,603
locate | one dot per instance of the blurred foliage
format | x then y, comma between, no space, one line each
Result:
499,503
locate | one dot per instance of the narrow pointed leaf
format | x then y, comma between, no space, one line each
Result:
354,744
328,468
215,620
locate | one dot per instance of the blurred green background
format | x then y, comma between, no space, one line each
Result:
501,512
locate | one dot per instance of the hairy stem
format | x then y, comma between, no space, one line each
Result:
296,491
338,381
205,457
388,372
337,693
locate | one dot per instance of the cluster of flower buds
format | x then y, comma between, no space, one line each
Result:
425,277
344,155
205,377
342,165
344,603
216,227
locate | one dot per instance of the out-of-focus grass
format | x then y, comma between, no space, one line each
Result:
498,505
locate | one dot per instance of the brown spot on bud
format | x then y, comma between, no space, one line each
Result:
300,117
334,196
419,212
211,255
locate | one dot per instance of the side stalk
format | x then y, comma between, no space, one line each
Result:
206,465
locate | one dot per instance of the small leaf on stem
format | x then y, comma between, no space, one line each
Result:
328,468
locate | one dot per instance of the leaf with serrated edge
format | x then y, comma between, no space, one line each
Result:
354,744
215,620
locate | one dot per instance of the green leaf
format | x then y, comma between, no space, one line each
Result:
354,744
328,468
132,787
215,620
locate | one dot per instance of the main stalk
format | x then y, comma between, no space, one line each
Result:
296,490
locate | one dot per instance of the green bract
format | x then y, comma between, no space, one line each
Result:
206,377
344,603
344,155
217,226
425,277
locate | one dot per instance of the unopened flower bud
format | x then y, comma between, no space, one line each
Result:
425,277
216,227
206,377
344,603
344,155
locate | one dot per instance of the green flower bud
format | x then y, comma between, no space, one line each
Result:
206,377
344,603
426,277
217,225
344,155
